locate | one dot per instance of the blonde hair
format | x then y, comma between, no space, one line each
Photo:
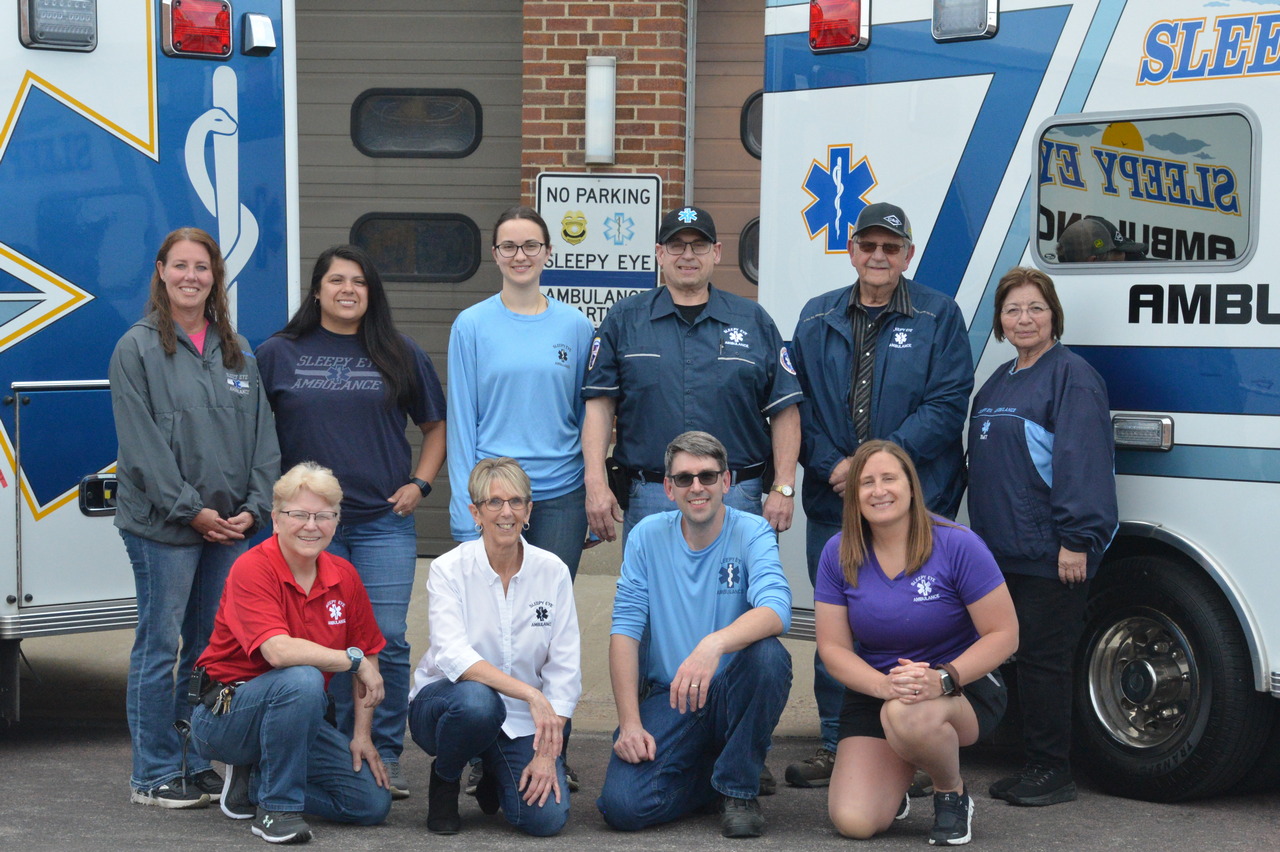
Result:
504,469
316,478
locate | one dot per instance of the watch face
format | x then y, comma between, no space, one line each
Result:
785,490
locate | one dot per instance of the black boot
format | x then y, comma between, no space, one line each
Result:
442,805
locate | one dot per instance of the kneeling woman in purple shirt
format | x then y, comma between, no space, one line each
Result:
928,607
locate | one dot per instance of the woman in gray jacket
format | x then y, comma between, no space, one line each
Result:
198,454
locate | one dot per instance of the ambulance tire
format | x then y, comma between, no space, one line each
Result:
1165,705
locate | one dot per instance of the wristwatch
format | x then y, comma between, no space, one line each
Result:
948,680
785,490
356,656
423,485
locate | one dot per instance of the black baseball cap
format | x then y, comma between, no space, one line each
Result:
1122,242
888,216
687,219
1083,239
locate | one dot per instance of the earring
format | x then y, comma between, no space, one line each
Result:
479,526
526,526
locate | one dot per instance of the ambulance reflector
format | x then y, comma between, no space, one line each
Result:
839,25
961,19
197,28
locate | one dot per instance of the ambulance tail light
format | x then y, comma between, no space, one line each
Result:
1152,432
839,25
954,20
199,28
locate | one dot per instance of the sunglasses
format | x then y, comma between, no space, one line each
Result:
706,477
869,247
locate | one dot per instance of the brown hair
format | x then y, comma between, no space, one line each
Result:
854,547
215,305
1018,276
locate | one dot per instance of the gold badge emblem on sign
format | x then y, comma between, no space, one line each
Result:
573,227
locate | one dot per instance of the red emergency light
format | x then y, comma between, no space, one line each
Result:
839,25
197,28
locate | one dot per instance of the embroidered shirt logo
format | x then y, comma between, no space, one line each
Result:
595,350
986,427
734,336
901,339
238,383
541,613
731,576
784,358
337,612
924,586
562,354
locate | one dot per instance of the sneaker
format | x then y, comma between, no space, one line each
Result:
952,819
170,796
473,778
281,827
921,785
741,817
442,805
487,793
814,771
571,778
1037,786
768,785
904,810
399,787
207,781
234,799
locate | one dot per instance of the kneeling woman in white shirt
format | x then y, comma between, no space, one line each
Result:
503,675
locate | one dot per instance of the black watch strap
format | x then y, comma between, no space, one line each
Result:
423,485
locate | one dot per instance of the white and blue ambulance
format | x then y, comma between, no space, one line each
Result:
997,125
121,120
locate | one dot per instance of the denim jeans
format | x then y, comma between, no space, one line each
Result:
459,721
559,524
178,589
385,553
828,691
1050,620
276,724
648,498
701,755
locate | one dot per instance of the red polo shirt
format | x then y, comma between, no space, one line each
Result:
262,599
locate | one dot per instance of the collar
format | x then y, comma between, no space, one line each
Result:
899,302
716,307
326,573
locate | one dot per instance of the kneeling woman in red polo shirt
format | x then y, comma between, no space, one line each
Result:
291,615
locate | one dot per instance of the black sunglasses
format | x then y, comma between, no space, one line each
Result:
706,477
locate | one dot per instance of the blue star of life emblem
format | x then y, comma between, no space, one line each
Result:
619,229
730,574
338,373
687,215
838,191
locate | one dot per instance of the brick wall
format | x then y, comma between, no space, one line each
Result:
648,40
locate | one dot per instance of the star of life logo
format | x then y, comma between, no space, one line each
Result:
924,586
541,613
986,427
239,383
901,339
731,576
337,612
838,190
619,229
735,337
687,215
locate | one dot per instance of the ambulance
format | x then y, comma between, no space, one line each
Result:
996,125
121,120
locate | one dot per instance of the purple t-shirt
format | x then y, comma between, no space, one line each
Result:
922,617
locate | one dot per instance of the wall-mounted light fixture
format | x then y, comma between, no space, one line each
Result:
602,91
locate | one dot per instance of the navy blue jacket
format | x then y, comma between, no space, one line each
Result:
923,378
1042,464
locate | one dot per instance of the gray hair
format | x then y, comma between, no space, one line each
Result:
316,478
504,469
702,444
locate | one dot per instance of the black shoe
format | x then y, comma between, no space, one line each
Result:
207,781
952,819
921,785
281,827
814,771
904,809
473,778
234,798
741,817
170,796
1039,785
487,793
768,785
442,805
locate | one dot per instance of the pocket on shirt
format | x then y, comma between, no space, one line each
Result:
640,370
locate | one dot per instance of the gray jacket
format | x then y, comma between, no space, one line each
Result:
192,434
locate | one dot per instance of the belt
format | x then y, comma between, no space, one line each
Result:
746,474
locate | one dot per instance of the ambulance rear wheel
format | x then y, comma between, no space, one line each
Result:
1165,705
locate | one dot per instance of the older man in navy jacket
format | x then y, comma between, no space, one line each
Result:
886,358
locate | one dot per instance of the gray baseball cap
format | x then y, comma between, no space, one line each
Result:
882,215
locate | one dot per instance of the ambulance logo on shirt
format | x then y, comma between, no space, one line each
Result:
239,383
562,354
541,613
734,336
595,350
924,588
901,339
784,358
986,427
337,612
731,576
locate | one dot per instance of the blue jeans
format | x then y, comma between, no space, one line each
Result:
701,755
178,589
459,721
827,691
648,498
559,524
276,724
385,553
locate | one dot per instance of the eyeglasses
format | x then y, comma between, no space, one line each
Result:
1014,311
677,247
706,477
869,247
302,517
531,249
495,504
